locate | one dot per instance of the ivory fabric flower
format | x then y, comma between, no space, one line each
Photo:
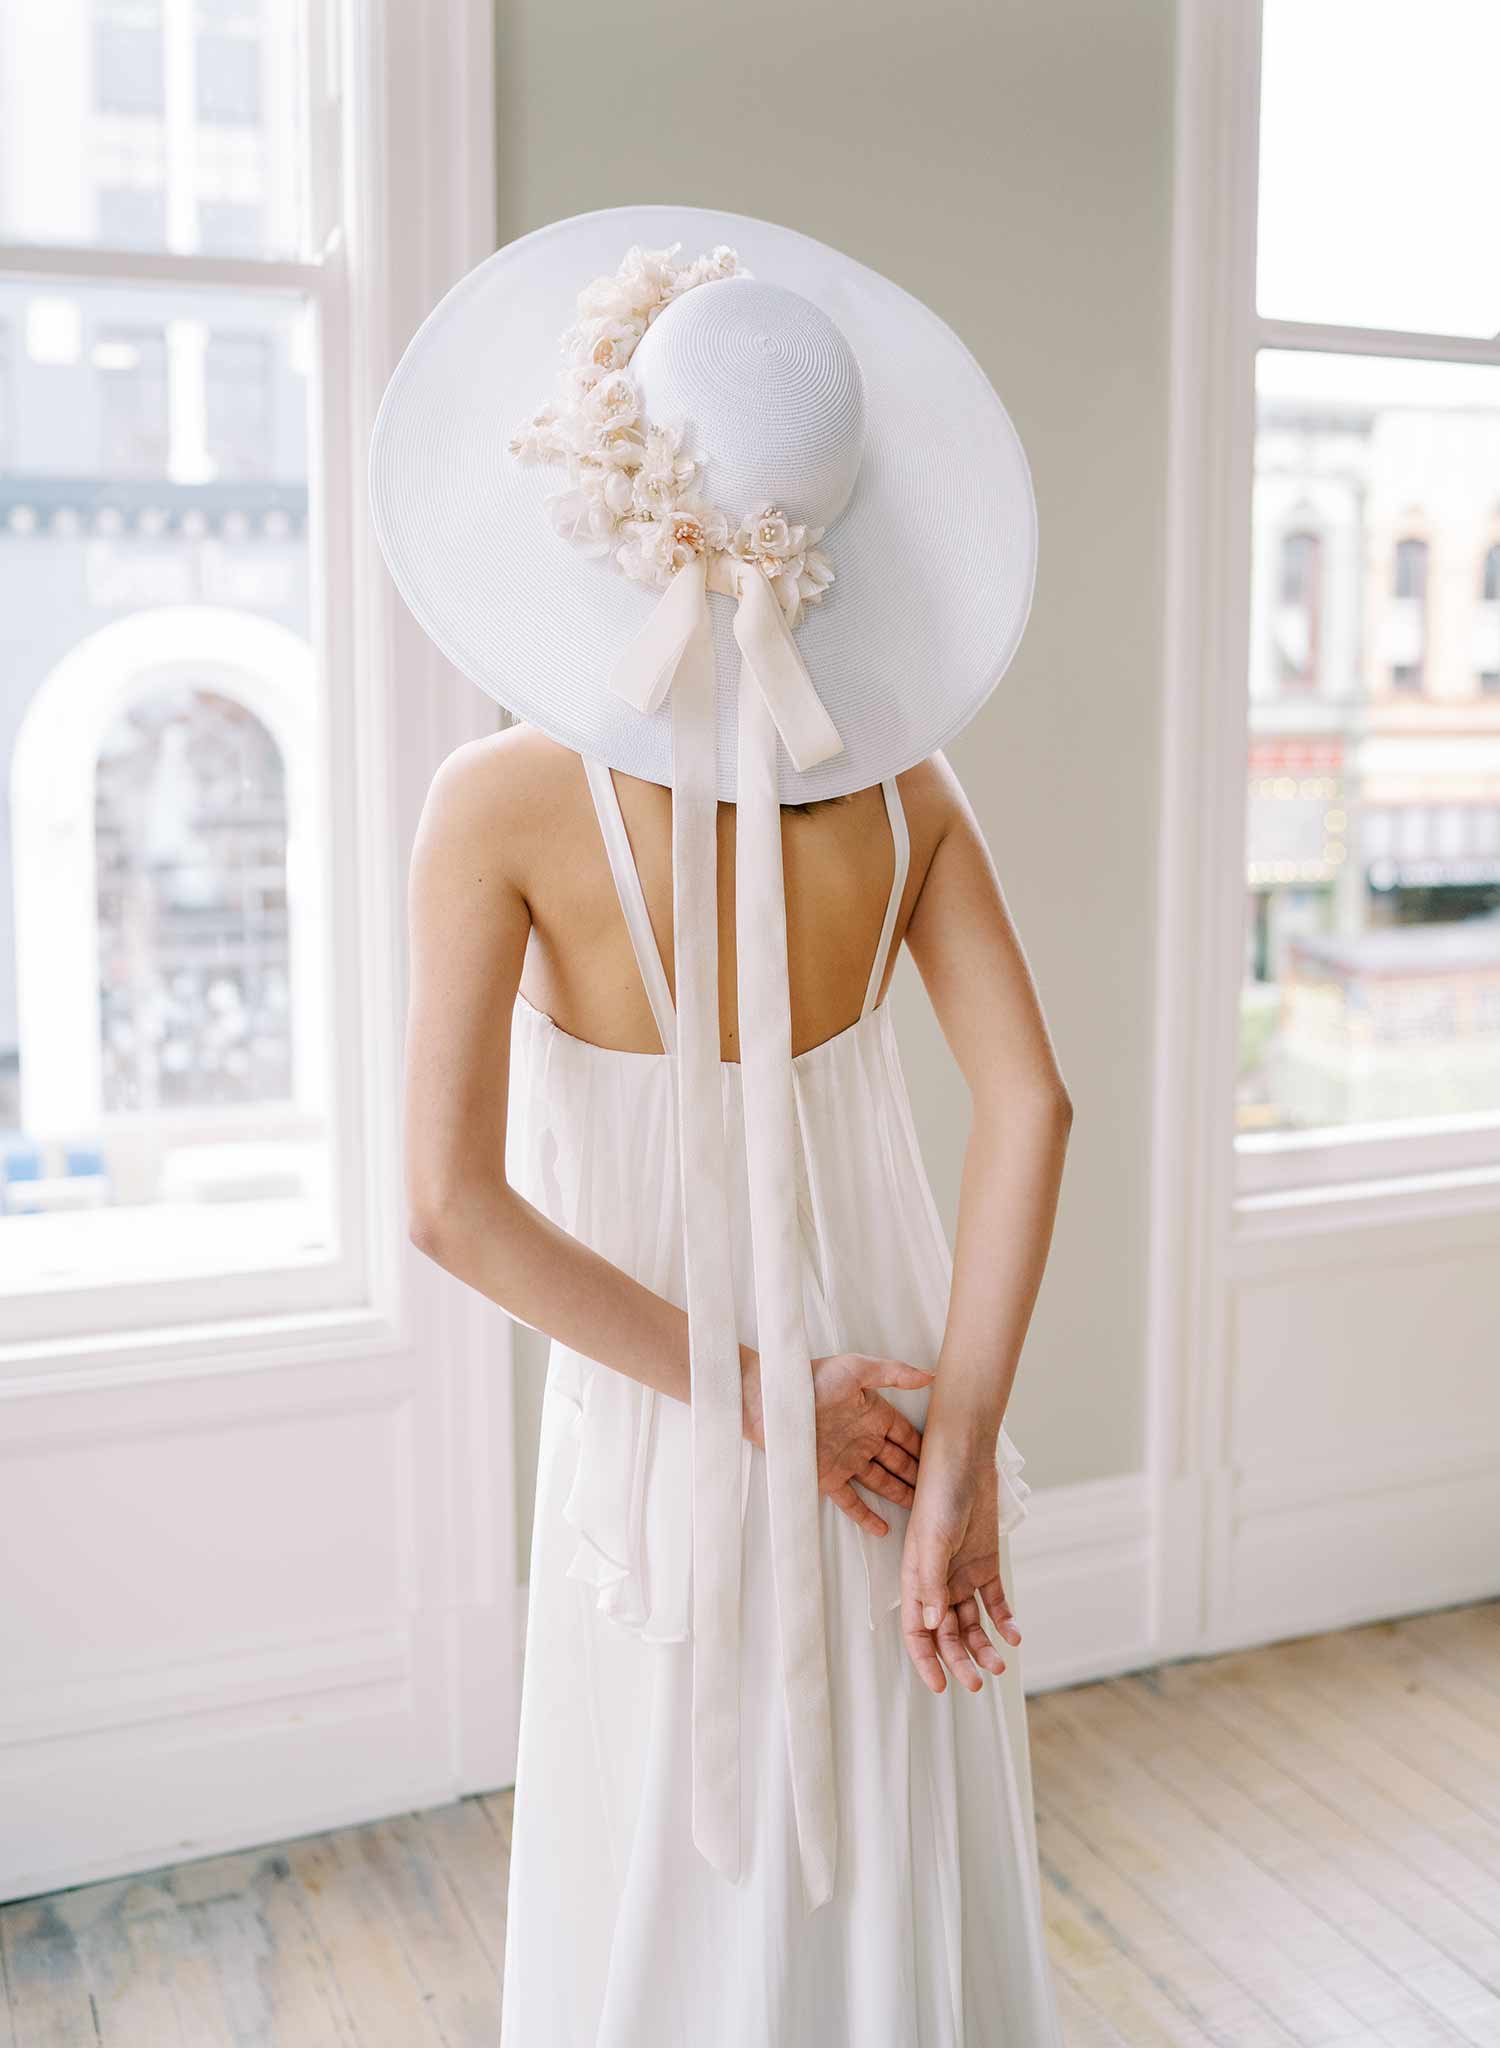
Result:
634,493
607,481
637,291
606,345
664,472
767,536
720,262
613,402
696,528
654,550
813,576
798,572
539,440
583,517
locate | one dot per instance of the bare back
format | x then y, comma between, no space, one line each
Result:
579,967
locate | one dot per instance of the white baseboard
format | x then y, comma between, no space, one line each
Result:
1082,1567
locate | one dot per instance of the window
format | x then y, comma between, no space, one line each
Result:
237,405
190,844
1376,180
1410,580
210,1320
1487,625
1369,1009
138,124
168,1102
1407,628
1298,622
132,382
129,68
229,79
7,402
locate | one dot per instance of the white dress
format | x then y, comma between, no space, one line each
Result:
619,1934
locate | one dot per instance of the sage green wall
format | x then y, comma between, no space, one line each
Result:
1009,161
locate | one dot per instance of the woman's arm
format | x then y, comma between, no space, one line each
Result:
490,805
469,924
970,959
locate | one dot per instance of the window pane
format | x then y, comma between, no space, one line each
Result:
138,125
164,1069
1372,990
190,858
1379,176
130,365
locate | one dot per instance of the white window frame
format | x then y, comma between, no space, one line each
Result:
401,121
1261,1184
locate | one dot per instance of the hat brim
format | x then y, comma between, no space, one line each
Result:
934,558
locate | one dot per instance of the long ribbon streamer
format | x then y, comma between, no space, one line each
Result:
674,651
785,1368
713,1341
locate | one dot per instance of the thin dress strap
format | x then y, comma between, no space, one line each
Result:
632,899
901,841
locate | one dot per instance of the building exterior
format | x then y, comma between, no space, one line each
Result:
161,1008
1374,801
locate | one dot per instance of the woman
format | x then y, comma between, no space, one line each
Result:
655,1109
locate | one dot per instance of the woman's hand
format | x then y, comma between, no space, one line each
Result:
951,1561
859,1434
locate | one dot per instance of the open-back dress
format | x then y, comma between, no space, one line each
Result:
619,1934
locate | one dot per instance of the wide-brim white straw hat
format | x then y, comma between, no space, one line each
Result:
602,428
934,554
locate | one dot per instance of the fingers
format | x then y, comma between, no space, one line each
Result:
879,1480
941,1618
999,1610
899,1431
894,1459
924,1561
920,1644
978,1576
858,1511
972,1631
959,1641
931,1574
894,1372
951,1648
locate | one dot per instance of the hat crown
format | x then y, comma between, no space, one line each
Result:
768,393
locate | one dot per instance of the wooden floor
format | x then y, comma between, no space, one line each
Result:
1294,1845
1298,1844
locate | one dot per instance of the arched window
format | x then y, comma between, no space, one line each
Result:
1299,610
190,846
1409,588
170,923
1411,569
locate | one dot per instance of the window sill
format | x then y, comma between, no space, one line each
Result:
198,1350
1366,1203
1289,1163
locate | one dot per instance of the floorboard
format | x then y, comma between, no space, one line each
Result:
1290,1847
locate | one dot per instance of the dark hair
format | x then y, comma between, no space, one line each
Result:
819,803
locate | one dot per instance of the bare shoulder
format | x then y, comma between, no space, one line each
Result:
934,802
496,799
517,772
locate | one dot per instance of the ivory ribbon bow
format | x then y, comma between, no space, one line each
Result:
675,651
